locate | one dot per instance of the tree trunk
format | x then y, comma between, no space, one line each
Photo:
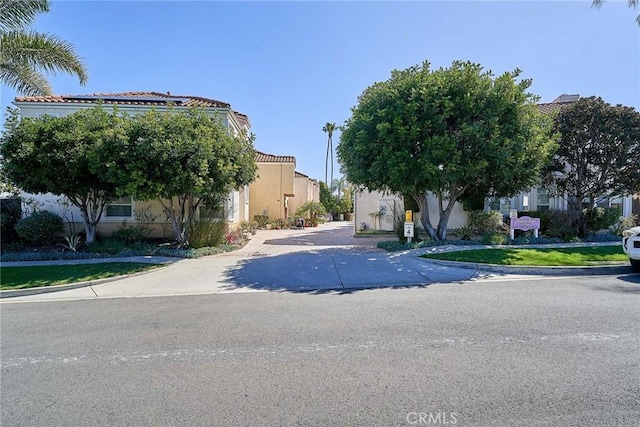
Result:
421,201
442,223
91,207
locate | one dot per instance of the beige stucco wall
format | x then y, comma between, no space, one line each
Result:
305,190
267,192
367,202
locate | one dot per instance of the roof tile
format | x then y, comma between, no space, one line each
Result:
270,158
129,98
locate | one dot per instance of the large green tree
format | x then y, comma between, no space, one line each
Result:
65,156
328,200
598,154
455,132
184,159
26,54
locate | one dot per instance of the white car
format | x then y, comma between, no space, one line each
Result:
631,246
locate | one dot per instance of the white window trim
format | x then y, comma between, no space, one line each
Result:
107,218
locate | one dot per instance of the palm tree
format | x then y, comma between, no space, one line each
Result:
337,185
25,54
632,4
329,128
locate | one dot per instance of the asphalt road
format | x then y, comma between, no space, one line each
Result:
540,352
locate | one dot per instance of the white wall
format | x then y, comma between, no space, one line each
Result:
367,202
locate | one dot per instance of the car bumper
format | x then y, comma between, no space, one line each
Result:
631,246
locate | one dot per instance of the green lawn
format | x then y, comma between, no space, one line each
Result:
48,275
577,256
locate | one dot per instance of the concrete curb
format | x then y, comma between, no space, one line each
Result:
46,289
537,270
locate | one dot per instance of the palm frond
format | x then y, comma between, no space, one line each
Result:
24,79
16,14
41,52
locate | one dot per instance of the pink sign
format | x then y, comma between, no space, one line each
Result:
525,223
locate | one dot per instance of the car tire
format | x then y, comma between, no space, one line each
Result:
635,264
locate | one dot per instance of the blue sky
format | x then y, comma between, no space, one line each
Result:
293,66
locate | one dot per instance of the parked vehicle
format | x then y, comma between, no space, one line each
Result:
631,246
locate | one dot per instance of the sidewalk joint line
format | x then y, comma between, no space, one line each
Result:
337,272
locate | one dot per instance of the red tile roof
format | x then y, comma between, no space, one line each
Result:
301,175
558,103
129,98
270,158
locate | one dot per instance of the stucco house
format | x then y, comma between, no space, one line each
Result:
123,210
279,189
306,189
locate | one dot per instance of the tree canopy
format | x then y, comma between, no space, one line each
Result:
25,54
183,159
455,132
65,156
598,154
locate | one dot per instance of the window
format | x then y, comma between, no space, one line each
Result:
543,199
121,207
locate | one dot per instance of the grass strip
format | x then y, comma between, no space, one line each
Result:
49,275
574,257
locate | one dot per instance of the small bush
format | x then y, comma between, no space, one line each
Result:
11,213
495,239
262,220
605,237
465,233
601,218
248,227
530,240
41,228
136,233
624,223
233,237
485,222
561,224
207,233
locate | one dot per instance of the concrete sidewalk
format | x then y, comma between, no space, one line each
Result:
315,259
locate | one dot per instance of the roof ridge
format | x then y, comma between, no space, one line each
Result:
154,98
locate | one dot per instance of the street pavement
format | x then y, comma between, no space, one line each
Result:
523,352
322,258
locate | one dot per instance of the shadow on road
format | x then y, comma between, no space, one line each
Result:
340,271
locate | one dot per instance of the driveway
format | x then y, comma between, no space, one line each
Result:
324,258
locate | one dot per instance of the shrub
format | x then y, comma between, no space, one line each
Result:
485,222
233,237
600,218
41,227
562,224
606,237
10,215
312,210
262,220
207,233
495,239
465,233
248,227
624,223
